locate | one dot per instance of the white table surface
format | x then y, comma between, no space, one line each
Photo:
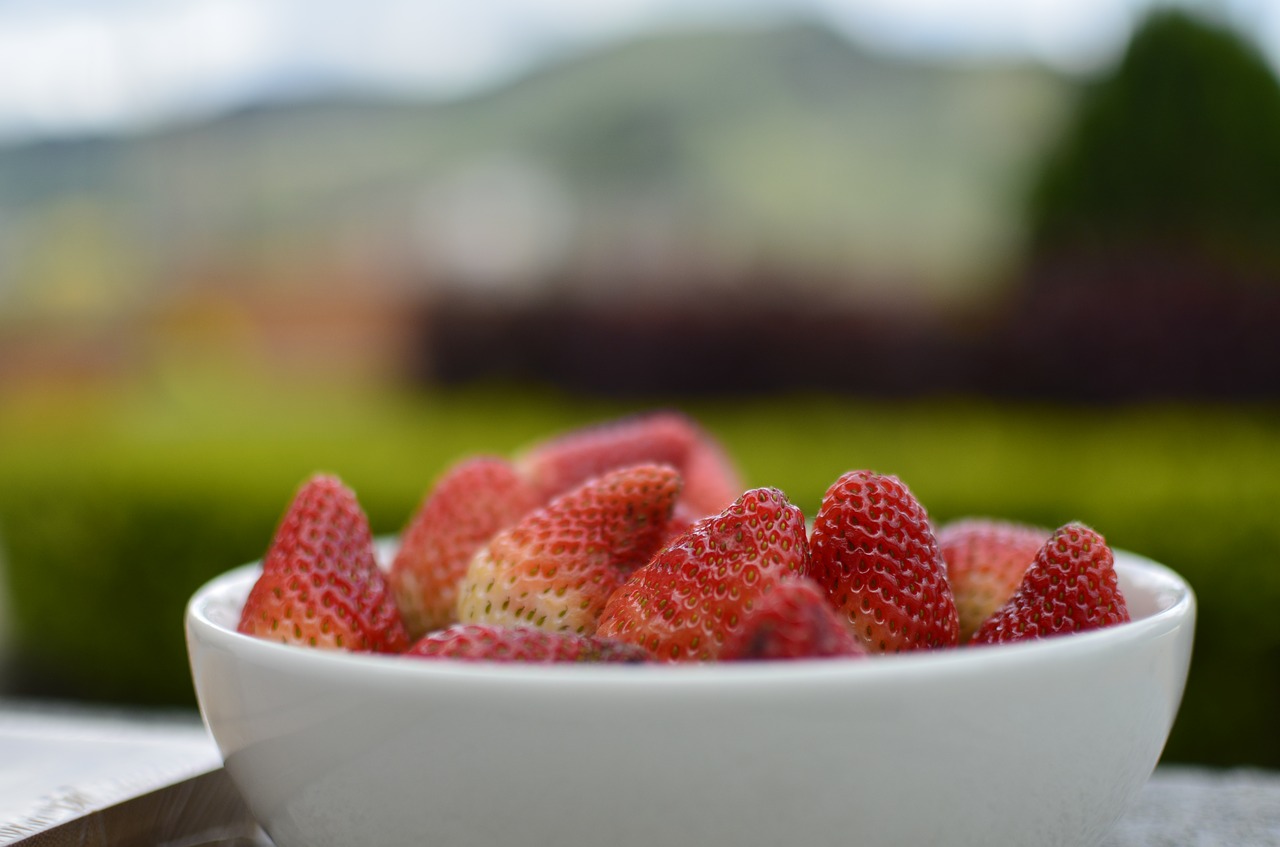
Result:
91,776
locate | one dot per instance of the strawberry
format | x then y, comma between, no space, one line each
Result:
485,642
682,519
793,621
320,585
697,591
1070,587
556,567
985,563
710,480
467,506
875,554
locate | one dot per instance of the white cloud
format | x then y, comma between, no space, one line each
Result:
82,70
61,73
1076,36
1066,33
411,44
72,65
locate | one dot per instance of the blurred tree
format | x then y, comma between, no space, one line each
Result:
1179,148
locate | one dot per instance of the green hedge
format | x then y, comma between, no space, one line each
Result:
115,510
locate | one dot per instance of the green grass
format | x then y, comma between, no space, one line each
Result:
113,509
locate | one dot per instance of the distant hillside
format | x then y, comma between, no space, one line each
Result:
786,146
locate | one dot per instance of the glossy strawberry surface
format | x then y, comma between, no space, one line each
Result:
1071,586
556,567
697,591
488,643
320,584
986,560
876,555
794,620
711,482
467,506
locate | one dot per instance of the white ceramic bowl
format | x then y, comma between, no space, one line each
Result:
1040,743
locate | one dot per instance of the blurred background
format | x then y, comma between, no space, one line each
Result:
1024,255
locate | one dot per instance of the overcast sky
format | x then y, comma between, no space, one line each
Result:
68,66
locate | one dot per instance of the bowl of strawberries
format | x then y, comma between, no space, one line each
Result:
609,638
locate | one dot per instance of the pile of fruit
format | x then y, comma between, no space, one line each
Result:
634,541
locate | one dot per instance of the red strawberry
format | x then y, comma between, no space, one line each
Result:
874,552
320,585
682,518
697,591
466,507
985,563
556,567
710,480
1070,587
793,621
484,642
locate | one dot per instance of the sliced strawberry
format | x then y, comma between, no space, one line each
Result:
875,554
985,562
556,567
467,506
697,591
1071,586
485,642
320,585
710,480
793,621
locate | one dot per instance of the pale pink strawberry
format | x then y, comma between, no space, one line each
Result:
464,509
1071,586
489,643
558,565
697,591
711,482
876,555
985,562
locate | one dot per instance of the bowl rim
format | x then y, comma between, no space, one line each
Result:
1175,599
